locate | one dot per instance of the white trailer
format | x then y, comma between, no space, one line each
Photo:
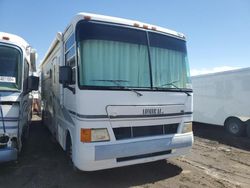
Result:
17,61
223,99
117,92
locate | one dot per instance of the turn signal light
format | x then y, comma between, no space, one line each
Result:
85,135
94,135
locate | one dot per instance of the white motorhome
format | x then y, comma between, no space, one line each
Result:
117,92
223,99
17,61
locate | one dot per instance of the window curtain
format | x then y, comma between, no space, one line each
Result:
113,60
168,66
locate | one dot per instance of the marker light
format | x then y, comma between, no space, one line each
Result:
136,25
87,18
154,28
145,26
94,135
5,38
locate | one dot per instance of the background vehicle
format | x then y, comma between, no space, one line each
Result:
17,62
117,92
223,99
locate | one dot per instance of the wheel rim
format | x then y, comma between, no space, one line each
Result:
234,128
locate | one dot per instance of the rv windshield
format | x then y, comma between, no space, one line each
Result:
110,52
10,72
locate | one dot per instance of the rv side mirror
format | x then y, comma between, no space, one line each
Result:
33,59
33,83
65,75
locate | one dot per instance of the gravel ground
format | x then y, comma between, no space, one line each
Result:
216,160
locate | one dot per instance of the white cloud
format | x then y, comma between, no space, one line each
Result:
195,72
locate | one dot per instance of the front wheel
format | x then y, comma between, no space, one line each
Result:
248,128
69,153
235,126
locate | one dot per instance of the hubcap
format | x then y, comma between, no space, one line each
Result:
233,127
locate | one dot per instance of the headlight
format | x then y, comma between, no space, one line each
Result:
187,127
94,135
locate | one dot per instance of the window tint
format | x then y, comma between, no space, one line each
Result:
98,31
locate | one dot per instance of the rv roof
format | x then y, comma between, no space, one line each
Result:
11,38
110,19
83,15
246,69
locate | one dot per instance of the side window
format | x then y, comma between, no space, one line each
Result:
70,52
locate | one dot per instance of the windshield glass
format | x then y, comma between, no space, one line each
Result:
111,53
169,62
10,72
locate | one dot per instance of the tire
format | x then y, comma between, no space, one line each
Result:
69,153
248,128
25,134
69,148
43,116
235,126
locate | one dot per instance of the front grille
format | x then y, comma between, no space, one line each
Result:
144,131
122,159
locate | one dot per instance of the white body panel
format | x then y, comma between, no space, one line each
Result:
66,113
221,95
15,105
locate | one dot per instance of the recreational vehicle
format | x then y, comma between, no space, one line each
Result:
17,61
223,99
117,92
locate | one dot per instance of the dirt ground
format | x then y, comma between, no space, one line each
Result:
216,160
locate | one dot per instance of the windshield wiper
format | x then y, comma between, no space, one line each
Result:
117,83
172,84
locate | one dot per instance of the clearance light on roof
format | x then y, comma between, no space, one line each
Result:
136,25
5,38
154,28
145,26
87,18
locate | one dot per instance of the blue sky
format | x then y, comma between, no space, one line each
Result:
218,31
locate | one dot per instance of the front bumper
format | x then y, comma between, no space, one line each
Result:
107,155
8,154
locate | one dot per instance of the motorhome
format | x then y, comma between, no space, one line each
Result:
17,61
223,99
117,92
